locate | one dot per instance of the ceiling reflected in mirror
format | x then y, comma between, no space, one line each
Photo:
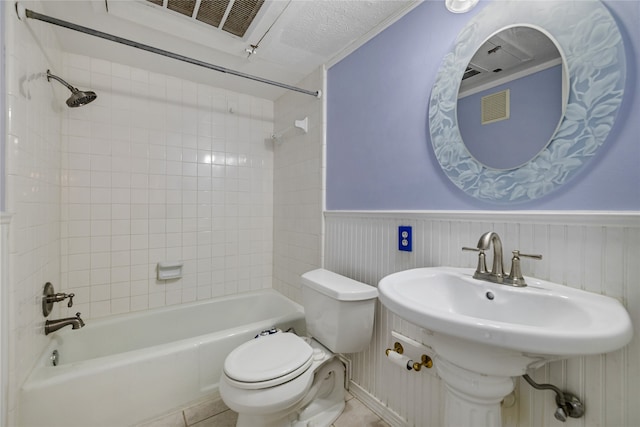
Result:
509,54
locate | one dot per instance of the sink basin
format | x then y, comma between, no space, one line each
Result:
495,329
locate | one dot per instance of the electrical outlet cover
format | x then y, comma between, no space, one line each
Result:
405,238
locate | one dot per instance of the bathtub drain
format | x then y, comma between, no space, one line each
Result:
54,357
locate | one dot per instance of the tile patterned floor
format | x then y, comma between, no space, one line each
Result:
214,413
356,414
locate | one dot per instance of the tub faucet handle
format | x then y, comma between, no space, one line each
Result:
60,296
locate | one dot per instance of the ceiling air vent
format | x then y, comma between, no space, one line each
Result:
232,16
495,107
241,16
184,7
212,12
470,72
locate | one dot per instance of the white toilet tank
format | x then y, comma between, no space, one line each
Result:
339,311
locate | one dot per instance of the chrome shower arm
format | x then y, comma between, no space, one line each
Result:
51,76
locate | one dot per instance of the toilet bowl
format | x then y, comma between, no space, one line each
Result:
294,370
282,379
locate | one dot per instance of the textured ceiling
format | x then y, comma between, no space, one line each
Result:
294,37
324,27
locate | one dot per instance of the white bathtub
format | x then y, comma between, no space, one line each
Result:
119,371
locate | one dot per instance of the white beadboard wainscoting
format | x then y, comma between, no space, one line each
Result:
595,251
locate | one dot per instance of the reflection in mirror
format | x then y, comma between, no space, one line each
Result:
511,101
595,64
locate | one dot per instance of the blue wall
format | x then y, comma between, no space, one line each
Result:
379,153
535,111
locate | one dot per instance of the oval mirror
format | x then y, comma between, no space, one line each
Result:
593,53
511,97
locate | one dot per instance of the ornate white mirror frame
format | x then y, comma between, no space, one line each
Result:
592,49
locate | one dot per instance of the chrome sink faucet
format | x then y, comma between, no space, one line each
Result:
54,325
496,275
497,270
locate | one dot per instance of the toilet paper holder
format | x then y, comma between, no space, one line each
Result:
410,364
397,347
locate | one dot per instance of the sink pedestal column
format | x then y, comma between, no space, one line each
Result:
472,399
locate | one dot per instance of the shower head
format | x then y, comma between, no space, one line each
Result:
78,97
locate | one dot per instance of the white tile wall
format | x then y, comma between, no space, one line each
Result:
5,219
597,252
162,169
33,111
298,188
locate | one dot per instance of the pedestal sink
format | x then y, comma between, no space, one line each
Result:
485,334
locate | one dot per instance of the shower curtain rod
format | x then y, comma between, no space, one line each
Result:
23,12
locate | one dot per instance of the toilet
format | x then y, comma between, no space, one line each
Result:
281,379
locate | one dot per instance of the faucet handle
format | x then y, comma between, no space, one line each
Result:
70,296
60,296
482,261
527,255
515,276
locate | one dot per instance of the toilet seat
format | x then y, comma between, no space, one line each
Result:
268,361
262,401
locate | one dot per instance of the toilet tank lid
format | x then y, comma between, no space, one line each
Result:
338,287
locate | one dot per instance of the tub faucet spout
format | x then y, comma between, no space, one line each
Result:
54,325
